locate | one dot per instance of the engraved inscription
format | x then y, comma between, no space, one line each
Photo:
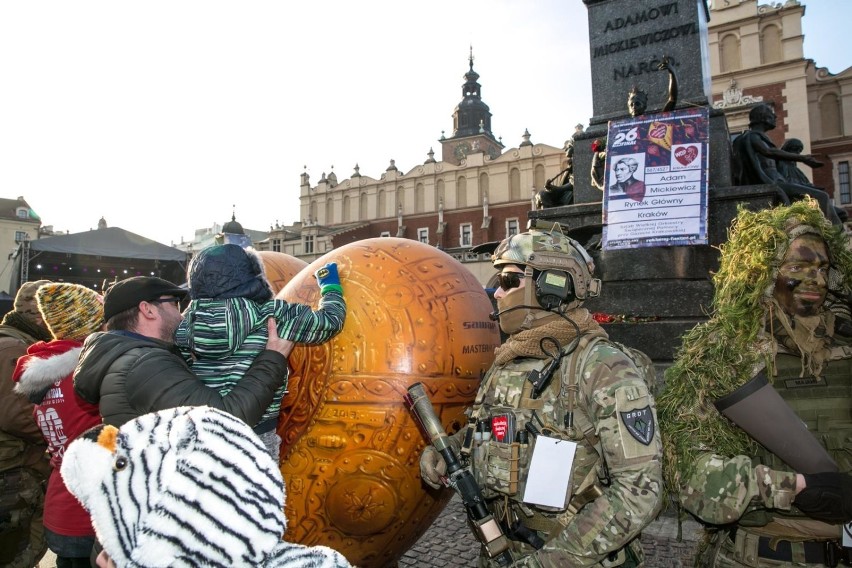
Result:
641,17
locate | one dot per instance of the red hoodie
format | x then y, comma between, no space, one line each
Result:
45,376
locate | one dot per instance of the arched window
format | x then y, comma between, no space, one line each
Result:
483,187
830,117
514,184
400,199
538,177
329,211
381,205
461,192
439,194
347,213
362,207
770,44
419,198
729,58
312,213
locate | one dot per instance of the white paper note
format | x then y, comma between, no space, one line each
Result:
550,472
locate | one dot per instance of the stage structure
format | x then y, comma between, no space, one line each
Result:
92,257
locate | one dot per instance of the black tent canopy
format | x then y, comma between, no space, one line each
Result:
91,257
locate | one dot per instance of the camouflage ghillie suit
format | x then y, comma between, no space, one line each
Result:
743,492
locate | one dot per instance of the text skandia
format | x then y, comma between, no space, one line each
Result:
643,16
642,40
479,348
479,325
647,202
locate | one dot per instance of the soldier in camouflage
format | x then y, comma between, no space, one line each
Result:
558,379
781,315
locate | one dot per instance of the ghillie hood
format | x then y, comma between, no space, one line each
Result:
718,356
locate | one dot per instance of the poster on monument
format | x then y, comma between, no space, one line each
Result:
656,180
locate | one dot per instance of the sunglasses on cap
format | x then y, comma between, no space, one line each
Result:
509,280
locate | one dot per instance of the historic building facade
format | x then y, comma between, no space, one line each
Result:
18,223
757,55
478,192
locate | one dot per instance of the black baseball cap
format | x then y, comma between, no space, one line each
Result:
128,293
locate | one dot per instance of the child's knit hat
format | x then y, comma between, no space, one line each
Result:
70,311
228,271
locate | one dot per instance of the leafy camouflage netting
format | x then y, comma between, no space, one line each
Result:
722,354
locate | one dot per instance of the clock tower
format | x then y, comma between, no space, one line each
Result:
471,124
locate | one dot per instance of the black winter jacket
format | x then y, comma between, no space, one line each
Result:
129,375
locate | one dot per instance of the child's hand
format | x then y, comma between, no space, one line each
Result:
327,277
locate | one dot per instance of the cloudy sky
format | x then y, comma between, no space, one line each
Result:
162,115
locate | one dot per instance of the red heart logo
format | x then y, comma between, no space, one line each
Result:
658,131
686,154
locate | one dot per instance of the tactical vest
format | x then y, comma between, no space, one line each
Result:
825,406
501,462
823,403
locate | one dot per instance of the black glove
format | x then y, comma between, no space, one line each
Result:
826,497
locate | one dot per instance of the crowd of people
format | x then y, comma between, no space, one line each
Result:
75,360
570,453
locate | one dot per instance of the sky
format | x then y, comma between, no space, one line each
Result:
164,117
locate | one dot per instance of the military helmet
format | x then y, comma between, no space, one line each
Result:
549,249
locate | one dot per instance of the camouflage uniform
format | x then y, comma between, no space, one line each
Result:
616,479
596,397
744,494
757,492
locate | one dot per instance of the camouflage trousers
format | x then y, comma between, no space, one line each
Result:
22,541
748,550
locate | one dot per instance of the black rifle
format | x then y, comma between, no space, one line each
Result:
486,530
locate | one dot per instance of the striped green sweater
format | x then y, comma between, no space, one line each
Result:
220,338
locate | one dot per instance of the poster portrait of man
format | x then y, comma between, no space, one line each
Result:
627,177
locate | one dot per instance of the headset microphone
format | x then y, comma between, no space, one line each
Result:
494,316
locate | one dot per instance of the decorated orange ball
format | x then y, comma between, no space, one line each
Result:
280,268
351,450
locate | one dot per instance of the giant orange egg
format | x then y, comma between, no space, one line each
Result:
280,268
351,450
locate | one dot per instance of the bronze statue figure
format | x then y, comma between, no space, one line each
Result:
757,161
598,163
555,195
637,99
788,168
637,104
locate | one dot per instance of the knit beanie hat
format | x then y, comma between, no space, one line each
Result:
228,271
25,301
70,311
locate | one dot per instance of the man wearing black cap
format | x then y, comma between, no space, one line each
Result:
134,367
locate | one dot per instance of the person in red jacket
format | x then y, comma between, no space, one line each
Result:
45,376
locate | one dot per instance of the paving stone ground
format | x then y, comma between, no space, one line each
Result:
449,543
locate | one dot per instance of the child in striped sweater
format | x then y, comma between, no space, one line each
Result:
224,327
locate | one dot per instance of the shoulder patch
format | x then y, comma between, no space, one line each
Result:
640,423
